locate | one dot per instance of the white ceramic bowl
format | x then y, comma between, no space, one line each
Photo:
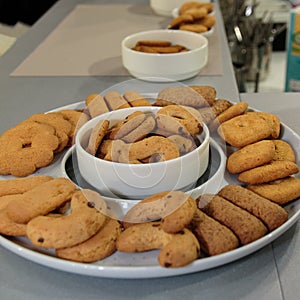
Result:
165,67
137,181
165,7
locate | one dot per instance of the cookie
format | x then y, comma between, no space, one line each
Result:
182,19
174,208
41,200
233,111
283,151
27,147
196,13
87,216
176,250
115,101
189,5
97,135
96,105
208,21
184,144
135,99
155,147
213,237
99,246
183,116
208,92
62,126
268,172
245,129
251,156
197,28
21,185
271,214
181,95
280,191
77,119
10,227
244,225
272,120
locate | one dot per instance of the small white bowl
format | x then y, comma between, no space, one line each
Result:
165,7
137,181
165,67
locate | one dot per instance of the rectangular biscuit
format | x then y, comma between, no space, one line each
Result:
271,214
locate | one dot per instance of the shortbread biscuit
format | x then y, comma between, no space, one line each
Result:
175,209
77,119
233,111
251,156
213,237
62,126
182,19
283,151
271,214
272,120
135,99
208,92
281,191
26,147
198,28
141,131
99,246
159,146
21,185
244,130
177,250
245,226
269,172
180,95
10,227
183,116
96,105
97,135
41,200
115,101
87,216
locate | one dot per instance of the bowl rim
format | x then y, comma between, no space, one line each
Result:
182,32
81,132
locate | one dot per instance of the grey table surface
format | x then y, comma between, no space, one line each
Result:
269,273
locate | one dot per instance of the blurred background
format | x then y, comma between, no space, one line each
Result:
257,33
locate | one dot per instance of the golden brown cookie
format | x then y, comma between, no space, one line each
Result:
208,92
269,172
181,95
155,147
97,135
96,105
183,116
27,147
280,191
10,227
213,237
182,19
271,214
99,246
198,28
188,5
251,156
62,126
208,21
283,151
135,99
184,144
115,101
233,111
175,209
77,119
245,226
244,130
196,13
177,249
87,216
21,185
41,200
